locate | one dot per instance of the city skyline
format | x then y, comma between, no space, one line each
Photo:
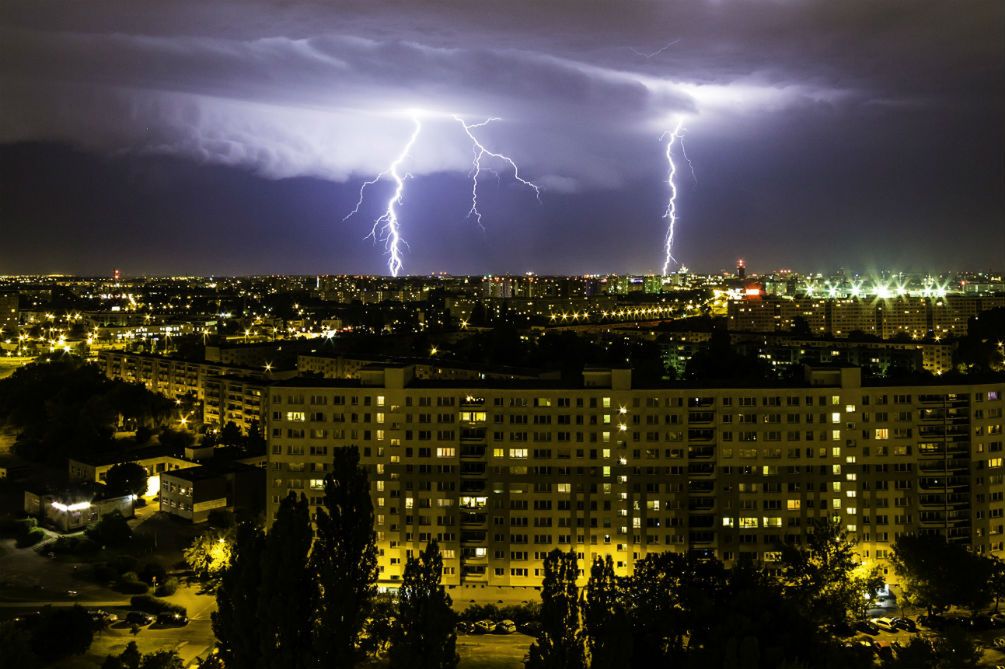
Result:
862,136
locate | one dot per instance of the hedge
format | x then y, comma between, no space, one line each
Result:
168,586
30,538
130,584
153,605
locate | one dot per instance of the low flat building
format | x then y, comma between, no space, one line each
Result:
156,460
73,509
193,493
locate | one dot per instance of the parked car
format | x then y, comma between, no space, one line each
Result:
139,618
905,624
172,619
463,627
885,624
934,622
958,621
530,628
505,627
102,617
867,627
483,627
29,618
998,619
982,622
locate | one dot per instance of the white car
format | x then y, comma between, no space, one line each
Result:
885,624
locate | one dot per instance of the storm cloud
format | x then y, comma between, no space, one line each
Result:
799,115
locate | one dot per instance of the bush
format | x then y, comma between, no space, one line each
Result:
521,613
13,528
153,571
477,612
130,584
104,573
74,546
111,530
23,526
220,518
155,606
167,587
30,538
124,563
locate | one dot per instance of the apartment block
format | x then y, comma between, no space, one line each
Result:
9,315
501,473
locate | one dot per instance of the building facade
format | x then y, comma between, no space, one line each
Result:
500,474
9,315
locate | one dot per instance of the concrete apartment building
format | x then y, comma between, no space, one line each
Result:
227,392
502,472
916,317
9,315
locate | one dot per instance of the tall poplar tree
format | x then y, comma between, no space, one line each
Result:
606,623
344,560
559,644
286,598
424,634
235,622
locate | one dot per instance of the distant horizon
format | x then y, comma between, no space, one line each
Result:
724,270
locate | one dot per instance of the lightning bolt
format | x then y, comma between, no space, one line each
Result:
388,221
480,152
671,211
652,54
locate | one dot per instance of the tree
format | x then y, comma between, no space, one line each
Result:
938,574
605,618
344,560
209,554
127,478
997,580
231,435
955,649
559,644
424,634
674,599
15,647
235,622
825,577
62,631
162,659
111,530
129,658
287,593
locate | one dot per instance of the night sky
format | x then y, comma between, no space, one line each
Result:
233,138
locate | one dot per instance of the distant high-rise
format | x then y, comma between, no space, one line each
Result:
741,269
8,314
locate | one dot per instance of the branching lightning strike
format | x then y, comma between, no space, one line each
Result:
388,221
671,211
481,152
653,54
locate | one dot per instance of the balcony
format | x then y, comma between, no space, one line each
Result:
700,417
473,451
469,519
700,469
470,537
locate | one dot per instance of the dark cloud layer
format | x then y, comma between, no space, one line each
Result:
822,134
